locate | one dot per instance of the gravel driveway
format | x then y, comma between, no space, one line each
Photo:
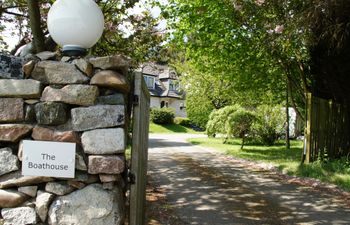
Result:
205,189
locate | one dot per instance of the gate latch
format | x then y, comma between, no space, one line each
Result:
132,178
136,100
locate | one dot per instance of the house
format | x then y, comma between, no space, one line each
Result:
163,84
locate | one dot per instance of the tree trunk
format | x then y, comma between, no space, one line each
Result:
287,115
242,145
35,25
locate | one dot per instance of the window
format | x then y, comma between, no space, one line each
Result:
173,85
150,81
164,104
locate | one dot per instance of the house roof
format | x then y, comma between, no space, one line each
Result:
162,74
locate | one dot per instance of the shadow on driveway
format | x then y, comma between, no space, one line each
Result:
205,189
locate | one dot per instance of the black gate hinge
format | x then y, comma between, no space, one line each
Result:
136,100
132,178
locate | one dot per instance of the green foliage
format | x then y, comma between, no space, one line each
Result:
162,116
198,109
139,39
270,122
237,50
218,119
186,122
239,124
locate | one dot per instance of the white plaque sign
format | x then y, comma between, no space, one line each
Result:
49,159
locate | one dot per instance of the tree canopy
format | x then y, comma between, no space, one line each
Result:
135,35
255,48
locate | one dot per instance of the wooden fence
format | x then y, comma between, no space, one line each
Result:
327,130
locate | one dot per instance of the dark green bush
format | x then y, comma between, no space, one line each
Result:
239,124
162,116
182,121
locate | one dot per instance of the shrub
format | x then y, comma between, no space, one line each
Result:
182,121
270,123
217,120
162,116
239,124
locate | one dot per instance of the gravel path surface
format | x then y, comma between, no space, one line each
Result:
204,188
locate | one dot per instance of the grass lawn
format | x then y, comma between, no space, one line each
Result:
288,161
170,128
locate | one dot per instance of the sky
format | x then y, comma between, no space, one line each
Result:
10,38
11,35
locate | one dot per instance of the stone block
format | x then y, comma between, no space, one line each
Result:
76,184
111,79
84,95
28,68
116,62
8,161
46,55
46,134
111,164
20,88
58,188
116,99
19,216
84,66
51,113
11,67
99,116
28,190
14,132
106,178
53,72
91,205
86,178
104,141
42,204
16,179
29,114
11,109
80,161
11,198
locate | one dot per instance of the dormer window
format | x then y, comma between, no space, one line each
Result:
173,85
150,81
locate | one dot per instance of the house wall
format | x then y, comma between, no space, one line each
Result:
155,102
176,104
172,103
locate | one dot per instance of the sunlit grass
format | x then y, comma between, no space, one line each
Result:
288,161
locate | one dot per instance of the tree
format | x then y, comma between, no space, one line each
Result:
254,46
35,24
141,42
240,123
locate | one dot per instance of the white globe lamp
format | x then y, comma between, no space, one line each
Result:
75,25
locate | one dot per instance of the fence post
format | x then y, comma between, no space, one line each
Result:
308,136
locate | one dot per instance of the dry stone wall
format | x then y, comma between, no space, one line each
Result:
71,100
